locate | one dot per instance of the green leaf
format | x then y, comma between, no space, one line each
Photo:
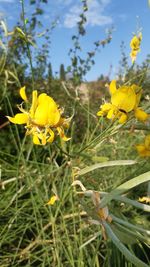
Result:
124,237
130,225
26,20
130,257
135,234
125,187
100,159
2,62
106,164
134,203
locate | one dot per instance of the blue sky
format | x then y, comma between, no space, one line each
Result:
102,14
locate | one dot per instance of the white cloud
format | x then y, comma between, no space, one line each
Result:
95,14
72,17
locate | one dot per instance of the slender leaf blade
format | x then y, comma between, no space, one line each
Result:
106,164
125,187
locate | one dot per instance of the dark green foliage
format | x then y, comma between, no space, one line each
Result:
50,72
62,73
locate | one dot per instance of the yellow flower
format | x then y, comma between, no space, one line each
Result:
144,149
52,200
123,100
135,46
43,119
141,115
144,199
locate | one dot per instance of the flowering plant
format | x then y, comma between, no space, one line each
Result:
43,120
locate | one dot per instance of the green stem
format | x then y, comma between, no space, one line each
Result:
28,48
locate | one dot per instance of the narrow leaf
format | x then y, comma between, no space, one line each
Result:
124,237
106,164
132,258
2,62
134,203
125,187
130,225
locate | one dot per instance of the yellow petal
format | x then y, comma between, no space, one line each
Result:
44,97
43,139
52,200
104,109
124,98
62,134
147,142
133,56
135,42
34,103
47,112
65,138
141,115
19,118
112,87
36,140
100,113
135,46
51,138
23,93
143,152
53,117
111,114
140,148
123,118
41,115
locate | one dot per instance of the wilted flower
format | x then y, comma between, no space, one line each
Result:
123,100
43,119
135,46
144,148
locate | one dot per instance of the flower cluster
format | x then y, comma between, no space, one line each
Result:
43,119
135,46
124,100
